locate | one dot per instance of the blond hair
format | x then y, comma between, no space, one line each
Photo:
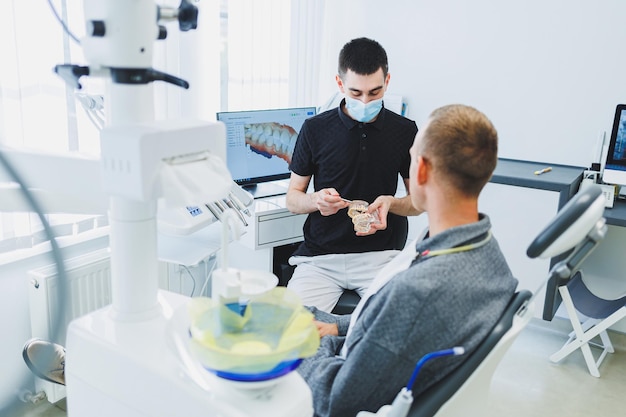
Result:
462,145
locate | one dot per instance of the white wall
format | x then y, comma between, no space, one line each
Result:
547,72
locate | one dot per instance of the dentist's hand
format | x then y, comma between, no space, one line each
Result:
328,201
379,208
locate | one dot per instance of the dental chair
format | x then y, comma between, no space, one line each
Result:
464,392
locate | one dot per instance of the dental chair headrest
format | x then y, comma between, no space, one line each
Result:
571,224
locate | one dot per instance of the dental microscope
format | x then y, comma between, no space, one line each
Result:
123,360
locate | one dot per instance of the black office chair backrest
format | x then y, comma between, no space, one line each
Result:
432,399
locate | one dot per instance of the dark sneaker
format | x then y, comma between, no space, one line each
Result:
46,360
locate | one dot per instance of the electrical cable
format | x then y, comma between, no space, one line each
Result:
192,278
401,404
13,405
446,352
208,274
93,107
62,22
95,119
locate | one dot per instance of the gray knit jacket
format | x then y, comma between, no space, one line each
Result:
437,303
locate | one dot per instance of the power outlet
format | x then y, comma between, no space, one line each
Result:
609,195
590,178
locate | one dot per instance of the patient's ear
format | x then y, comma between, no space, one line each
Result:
423,170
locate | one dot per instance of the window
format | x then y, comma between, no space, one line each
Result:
37,110
240,59
256,39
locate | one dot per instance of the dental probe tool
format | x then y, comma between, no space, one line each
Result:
232,205
220,206
239,204
214,210
224,206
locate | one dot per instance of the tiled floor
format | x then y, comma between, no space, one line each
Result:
527,384
45,409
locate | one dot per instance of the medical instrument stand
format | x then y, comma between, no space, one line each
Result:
586,210
121,360
583,333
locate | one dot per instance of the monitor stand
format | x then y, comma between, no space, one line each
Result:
267,189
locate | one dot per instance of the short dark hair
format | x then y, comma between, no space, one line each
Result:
363,56
462,144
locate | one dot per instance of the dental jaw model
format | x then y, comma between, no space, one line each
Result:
122,360
362,220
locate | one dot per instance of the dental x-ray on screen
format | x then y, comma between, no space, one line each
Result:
615,168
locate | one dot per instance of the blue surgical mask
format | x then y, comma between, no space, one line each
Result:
363,112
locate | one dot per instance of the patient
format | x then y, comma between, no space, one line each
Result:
446,289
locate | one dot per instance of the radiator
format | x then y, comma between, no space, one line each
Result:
88,289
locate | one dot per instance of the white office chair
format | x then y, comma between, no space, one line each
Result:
587,207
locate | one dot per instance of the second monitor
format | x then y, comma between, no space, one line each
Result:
259,146
615,167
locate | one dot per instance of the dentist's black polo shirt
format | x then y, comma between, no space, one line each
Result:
361,161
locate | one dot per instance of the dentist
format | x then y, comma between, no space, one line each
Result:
353,152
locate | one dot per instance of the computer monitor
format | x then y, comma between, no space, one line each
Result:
259,146
615,166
